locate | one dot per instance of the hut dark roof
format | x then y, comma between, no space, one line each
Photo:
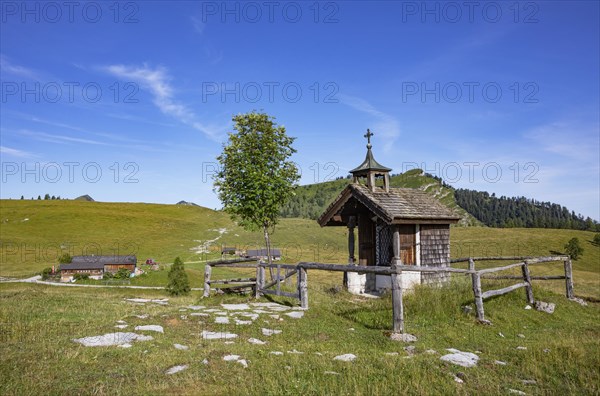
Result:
399,205
97,262
263,253
369,164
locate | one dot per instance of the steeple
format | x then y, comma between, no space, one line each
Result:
371,170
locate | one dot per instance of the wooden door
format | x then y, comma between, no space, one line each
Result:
366,241
407,244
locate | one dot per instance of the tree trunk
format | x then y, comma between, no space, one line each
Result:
268,244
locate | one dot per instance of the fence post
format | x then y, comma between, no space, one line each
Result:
476,280
278,279
397,303
303,287
569,277
257,285
527,279
207,272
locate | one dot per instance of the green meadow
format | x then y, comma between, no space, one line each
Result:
39,322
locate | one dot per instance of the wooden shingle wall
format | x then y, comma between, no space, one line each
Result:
435,250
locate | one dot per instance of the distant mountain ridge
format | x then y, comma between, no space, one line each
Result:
85,198
186,203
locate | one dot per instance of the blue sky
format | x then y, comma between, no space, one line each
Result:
132,101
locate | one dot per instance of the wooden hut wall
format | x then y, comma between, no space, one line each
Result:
435,250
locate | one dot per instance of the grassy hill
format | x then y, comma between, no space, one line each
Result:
38,322
311,200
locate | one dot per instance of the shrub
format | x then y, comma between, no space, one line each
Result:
107,275
65,259
46,272
178,280
81,277
122,273
573,248
597,239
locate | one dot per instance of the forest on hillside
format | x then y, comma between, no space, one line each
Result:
520,212
476,207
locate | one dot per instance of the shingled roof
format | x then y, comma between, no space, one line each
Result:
399,205
96,262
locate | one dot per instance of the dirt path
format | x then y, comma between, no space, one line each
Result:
37,279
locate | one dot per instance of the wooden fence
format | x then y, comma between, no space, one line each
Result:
260,285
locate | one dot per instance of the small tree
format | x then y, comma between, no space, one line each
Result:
65,258
178,279
39,197
46,197
573,248
46,272
22,197
256,177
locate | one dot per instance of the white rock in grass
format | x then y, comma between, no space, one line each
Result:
499,363
216,335
138,300
182,309
391,353
256,341
111,339
331,373
295,314
270,332
458,380
579,301
348,357
464,359
121,322
527,306
261,311
516,392
252,316
276,317
222,320
229,342
121,326
143,316
195,307
403,337
230,358
125,346
157,328
545,307
243,362
205,362
236,307
242,322
522,348
181,347
295,352
199,314
277,353
176,369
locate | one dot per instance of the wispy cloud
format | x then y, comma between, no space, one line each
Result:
9,67
62,139
157,82
572,140
385,125
198,25
15,152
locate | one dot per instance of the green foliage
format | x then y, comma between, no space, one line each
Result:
81,277
178,280
256,176
108,275
520,212
122,273
573,248
65,258
46,272
597,239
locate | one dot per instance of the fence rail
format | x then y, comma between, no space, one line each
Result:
261,286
